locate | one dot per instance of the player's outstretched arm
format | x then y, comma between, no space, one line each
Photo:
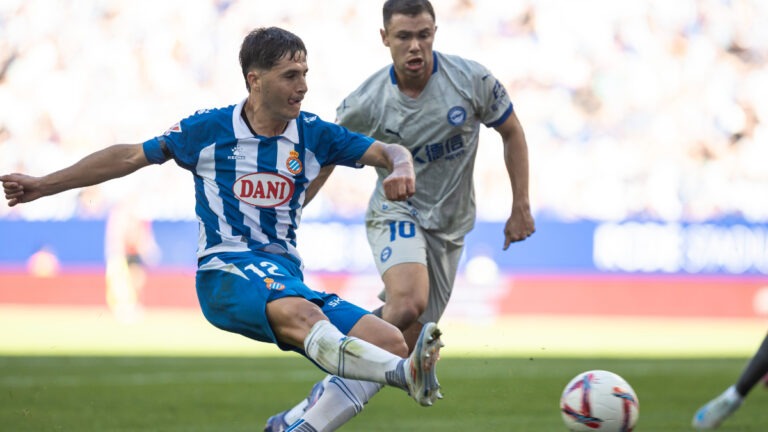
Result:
112,162
520,224
400,184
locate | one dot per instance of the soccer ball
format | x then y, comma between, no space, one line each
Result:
600,401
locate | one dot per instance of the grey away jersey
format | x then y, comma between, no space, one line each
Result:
440,128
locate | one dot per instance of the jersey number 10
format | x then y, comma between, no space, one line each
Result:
406,229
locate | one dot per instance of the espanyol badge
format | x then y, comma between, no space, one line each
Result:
273,285
293,163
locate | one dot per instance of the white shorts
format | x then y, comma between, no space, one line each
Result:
402,240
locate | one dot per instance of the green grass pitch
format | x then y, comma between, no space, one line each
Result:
162,393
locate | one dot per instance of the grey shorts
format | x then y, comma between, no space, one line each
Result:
399,239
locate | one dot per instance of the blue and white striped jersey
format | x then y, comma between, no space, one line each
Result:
250,189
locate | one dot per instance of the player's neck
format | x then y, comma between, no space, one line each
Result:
262,124
413,86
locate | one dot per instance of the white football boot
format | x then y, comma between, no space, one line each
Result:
718,409
420,374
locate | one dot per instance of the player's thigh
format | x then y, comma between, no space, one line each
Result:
395,242
443,257
233,290
408,281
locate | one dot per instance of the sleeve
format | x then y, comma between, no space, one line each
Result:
175,144
156,150
337,145
351,117
492,99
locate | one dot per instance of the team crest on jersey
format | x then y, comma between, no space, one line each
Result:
273,285
293,163
263,189
457,115
173,129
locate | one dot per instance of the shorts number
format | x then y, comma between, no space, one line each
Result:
405,229
270,267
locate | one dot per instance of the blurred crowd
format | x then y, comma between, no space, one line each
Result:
650,109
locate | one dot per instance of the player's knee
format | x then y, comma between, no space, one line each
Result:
292,318
403,314
304,318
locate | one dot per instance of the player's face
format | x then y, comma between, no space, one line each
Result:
280,90
410,39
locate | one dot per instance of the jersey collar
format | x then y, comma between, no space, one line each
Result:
243,129
291,133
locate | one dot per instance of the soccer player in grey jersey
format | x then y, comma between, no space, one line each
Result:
434,105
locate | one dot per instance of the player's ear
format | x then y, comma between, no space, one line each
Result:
383,33
254,80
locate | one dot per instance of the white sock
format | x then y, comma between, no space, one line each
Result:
297,411
342,399
353,358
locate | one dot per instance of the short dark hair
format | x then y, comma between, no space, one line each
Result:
406,7
265,46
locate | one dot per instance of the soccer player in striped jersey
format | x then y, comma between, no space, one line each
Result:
434,104
251,163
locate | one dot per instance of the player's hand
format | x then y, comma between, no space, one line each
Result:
519,226
20,188
400,184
